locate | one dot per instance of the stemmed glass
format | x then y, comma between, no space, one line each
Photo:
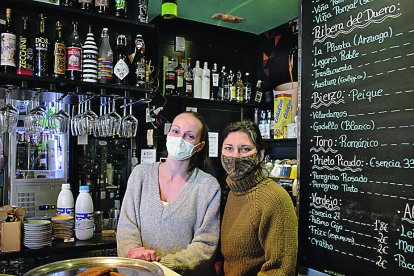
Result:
35,120
129,124
89,117
113,120
59,121
9,115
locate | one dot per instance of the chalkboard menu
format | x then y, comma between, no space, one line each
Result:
357,137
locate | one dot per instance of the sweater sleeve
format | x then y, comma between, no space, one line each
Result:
278,234
199,254
128,233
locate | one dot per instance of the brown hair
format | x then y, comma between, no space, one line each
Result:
248,127
200,159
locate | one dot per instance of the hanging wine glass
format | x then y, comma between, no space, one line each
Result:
35,120
129,124
9,115
59,122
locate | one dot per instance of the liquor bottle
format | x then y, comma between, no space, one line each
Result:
89,59
197,75
74,57
102,188
247,88
21,153
258,94
117,198
33,156
223,84
214,82
239,88
42,153
105,59
25,51
41,64
85,5
179,78
121,8
122,64
8,47
232,86
170,77
188,76
138,62
59,53
270,121
102,6
205,82
69,3
256,116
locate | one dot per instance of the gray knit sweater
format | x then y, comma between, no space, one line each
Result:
184,233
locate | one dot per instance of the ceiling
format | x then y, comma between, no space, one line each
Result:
259,15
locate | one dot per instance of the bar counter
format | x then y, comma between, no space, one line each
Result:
58,247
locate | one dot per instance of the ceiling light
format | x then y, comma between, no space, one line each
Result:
169,9
227,17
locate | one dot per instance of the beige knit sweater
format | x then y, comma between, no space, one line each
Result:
259,229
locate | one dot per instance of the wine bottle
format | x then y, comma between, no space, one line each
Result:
138,62
239,88
74,54
247,89
85,5
41,64
205,82
214,82
89,59
25,51
105,59
69,3
170,77
223,84
232,86
8,47
179,78
188,75
59,53
121,8
122,64
197,75
102,6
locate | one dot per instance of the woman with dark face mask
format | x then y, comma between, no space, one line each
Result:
170,211
259,227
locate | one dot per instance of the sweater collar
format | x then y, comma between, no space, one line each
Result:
245,184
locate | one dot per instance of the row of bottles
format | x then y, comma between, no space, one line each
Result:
40,57
183,80
37,152
264,120
108,7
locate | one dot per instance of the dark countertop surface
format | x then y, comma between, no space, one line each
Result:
97,242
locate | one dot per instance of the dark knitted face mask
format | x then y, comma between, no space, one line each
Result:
239,167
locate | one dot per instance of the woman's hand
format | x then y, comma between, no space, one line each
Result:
143,254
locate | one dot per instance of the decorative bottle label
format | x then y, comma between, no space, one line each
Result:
8,49
74,58
121,69
59,66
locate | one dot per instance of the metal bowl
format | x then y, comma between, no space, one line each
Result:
75,266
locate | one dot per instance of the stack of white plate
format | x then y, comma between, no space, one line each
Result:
63,227
37,233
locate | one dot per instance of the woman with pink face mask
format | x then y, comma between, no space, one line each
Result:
170,212
259,227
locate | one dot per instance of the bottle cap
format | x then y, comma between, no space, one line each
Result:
66,185
84,188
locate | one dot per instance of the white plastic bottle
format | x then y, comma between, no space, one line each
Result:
205,82
84,214
65,202
197,75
